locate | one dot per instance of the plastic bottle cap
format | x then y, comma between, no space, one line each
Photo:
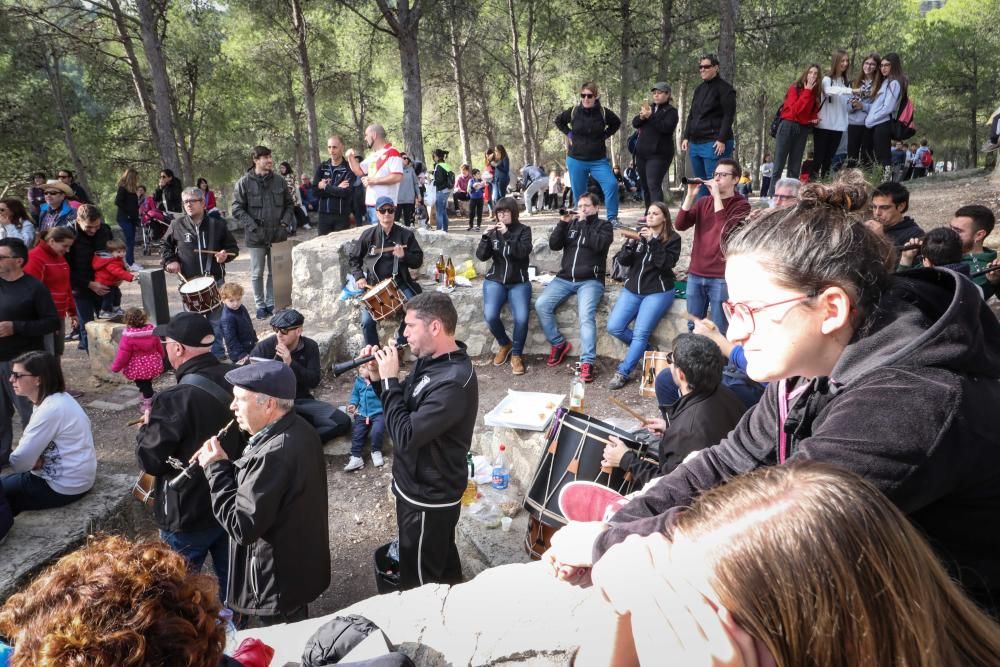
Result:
503,447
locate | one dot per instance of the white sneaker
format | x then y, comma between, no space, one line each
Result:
377,459
307,226
355,463
135,268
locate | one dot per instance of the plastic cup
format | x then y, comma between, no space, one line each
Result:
505,523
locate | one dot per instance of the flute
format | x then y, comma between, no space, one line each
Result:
185,475
344,366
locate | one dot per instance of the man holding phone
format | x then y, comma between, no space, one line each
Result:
709,129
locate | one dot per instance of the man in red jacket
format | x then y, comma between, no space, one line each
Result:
711,218
110,271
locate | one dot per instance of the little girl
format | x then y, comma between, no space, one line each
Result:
140,354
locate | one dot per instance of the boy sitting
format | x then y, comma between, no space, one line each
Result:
366,409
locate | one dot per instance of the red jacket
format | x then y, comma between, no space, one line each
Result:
800,106
110,271
53,271
707,260
140,354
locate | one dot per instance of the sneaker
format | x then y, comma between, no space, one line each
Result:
377,459
615,224
105,314
72,334
558,353
587,372
517,364
502,354
354,463
135,268
618,381
307,226
262,313
270,310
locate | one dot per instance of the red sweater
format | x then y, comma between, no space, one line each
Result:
800,106
53,271
706,251
110,271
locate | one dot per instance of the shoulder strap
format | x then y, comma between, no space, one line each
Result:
209,387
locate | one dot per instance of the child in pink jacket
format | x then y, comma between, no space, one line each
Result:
140,354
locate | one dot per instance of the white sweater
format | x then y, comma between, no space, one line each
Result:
58,433
833,114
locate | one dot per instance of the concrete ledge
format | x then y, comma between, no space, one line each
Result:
38,538
103,338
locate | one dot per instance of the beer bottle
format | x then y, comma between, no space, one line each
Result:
440,268
450,270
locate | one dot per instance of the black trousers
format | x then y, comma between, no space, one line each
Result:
476,212
825,144
404,212
427,551
652,171
859,146
882,144
332,222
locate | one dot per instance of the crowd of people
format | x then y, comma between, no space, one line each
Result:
806,317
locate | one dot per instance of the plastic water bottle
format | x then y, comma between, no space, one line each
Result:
501,472
226,617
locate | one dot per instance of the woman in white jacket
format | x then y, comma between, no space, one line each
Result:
832,124
54,463
884,108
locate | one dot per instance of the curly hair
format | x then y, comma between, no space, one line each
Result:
116,603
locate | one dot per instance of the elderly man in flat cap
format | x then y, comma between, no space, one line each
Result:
272,500
301,354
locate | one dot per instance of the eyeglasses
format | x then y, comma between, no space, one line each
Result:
784,197
64,175
743,313
14,377
6,256
194,201
670,358
720,174
284,330
586,96
387,209
885,65
705,66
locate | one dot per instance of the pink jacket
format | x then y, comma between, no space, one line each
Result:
140,354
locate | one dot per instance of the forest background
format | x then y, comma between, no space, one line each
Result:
100,85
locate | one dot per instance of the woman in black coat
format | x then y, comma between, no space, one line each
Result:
654,149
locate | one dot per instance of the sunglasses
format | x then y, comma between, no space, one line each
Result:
284,330
705,66
586,96
52,192
387,209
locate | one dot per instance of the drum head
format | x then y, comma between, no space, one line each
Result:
197,284
375,289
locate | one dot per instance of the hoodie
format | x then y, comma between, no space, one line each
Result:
903,231
585,246
909,406
110,270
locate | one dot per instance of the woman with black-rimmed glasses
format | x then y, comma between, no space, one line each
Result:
859,147
890,96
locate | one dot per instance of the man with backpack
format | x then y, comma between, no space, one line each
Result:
923,161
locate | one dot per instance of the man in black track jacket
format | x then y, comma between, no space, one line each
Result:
334,189
430,416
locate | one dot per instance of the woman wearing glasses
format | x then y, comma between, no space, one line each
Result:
890,96
54,463
867,83
587,127
893,377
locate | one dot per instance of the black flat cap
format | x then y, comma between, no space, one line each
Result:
270,377
287,319
189,329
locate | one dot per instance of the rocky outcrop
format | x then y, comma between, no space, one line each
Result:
103,337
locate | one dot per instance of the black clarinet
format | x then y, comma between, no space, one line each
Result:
344,366
185,475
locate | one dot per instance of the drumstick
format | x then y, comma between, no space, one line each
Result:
213,252
630,411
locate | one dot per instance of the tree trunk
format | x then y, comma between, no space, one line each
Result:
973,113
54,74
153,49
522,108
293,115
681,159
308,89
728,13
138,79
458,73
666,38
625,69
404,20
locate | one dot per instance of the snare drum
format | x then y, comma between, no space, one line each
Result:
200,295
652,364
383,299
144,489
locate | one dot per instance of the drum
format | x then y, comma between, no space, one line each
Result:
652,364
200,295
383,299
575,451
144,489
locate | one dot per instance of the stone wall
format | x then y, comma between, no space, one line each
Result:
320,269
103,337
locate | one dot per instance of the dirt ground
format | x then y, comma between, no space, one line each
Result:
362,515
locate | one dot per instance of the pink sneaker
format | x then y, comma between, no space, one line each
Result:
589,501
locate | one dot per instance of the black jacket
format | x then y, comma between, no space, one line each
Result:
127,203
696,421
585,248
909,406
332,198
272,502
430,417
305,362
374,267
903,231
588,130
712,113
168,198
263,205
81,255
182,418
656,133
509,252
183,239
651,264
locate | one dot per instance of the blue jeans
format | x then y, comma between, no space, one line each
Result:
263,292
361,430
705,294
195,545
519,297
499,188
372,215
369,327
647,310
127,226
588,295
87,306
26,492
704,160
601,171
441,198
